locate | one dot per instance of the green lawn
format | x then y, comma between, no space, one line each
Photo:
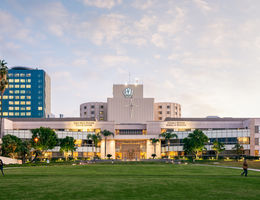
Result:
138,181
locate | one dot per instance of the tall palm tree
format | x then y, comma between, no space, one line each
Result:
3,85
154,141
167,135
218,147
106,133
96,138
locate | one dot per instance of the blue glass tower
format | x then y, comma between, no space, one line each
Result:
28,93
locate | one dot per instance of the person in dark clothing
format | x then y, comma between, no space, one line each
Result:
245,166
2,167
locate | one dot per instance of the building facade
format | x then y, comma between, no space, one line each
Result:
131,121
28,94
95,110
163,110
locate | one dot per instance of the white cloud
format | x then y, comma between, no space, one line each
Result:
144,4
157,40
202,4
102,3
113,60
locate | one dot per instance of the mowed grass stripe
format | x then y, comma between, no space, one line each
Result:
128,182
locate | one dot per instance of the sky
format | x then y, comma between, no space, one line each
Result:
202,54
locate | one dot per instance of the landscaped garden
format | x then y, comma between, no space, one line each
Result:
128,181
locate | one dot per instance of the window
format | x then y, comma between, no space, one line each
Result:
85,107
22,97
5,113
16,91
11,114
22,86
11,86
11,103
256,141
28,97
16,102
5,97
17,86
28,75
160,107
101,112
10,74
28,80
28,86
16,108
11,80
160,118
22,102
256,129
16,113
22,75
92,106
16,80
11,91
22,108
11,97
168,107
92,112
168,112
16,75
101,106
22,80
17,97
22,113
28,113
11,108
160,112
85,113
22,91
28,103
39,108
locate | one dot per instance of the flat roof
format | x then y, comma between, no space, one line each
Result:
206,119
51,119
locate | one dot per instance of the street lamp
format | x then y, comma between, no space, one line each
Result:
36,140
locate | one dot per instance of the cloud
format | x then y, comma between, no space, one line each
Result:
144,4
108,4
202,5
112,60
157,40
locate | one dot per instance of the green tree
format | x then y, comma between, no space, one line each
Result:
10,145
218,147
106,133
43,139
167,135
96,138
239,149
195,142
67,144
25,149
3,85
154,142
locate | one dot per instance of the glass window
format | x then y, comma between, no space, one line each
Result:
10,74
28,103
11,103
16,80
16,108
5,113
22,80
11,86
16,113
11,97
28,113
92,106
16,75
28,80
22,108
11,91
11,108
11,80
11,114
16,102
92,112
28,108
28,97
5,97
160,112
16,91
22,97
22,113
168,112
168,107
22,91
22,86
16,97
22,102
39,108
160,107
28,86
22,75
17,86
28,75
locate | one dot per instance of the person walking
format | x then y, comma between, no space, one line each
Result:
245,166
2,167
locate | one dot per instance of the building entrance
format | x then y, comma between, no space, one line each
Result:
130,150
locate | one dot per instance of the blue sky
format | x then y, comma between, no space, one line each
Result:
202,54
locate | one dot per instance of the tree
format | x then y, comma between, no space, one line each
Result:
239,149
24,150
195,142
154,141
96,138
67,144
218,147
153,155
10,145
43,139
3,85
106,133
167,135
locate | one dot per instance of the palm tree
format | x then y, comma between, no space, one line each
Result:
154,141
106,133
239,149
67,144
95,140
218,147
167,135
3,85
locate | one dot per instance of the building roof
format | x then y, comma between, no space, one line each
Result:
206,119
51,119
21,68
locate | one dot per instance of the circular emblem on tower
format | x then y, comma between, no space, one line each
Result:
128,92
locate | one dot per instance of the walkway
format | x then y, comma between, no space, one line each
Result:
249,169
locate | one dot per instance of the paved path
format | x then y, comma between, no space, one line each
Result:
249,169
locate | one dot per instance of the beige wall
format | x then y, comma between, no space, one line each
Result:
47,95
166,109
99,110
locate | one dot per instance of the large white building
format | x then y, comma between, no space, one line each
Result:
130,118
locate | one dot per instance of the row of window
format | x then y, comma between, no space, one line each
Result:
19,75
19,86
168,107
19,80
15,97
168,112
19,108
19,102
93,106
16,114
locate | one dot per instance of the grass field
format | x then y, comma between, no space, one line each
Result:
137,181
